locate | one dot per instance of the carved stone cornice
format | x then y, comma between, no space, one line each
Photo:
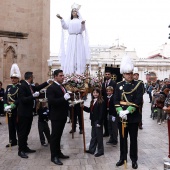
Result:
10,34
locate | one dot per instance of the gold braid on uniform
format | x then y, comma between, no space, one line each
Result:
10,95
124,94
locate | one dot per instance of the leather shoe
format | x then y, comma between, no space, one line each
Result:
134,165
88,151
109,142
11,144
120,162
22,154
81,132
28,150
71,131
105,135
63,156
98,154
44,144
57,161
140,127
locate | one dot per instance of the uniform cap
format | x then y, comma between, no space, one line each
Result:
15,72
135,70
126,65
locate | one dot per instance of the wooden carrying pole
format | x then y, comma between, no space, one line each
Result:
84,141
72,120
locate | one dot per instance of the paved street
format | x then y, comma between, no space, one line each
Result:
152,148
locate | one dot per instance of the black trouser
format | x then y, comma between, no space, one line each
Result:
140,123
77,113
113,131
132,129
105,123
150,96
57,127
96,139
13,127
43,128
1,107
24,124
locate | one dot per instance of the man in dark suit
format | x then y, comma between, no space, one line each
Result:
108,82
58,109
27,94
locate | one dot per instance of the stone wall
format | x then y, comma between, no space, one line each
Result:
24,37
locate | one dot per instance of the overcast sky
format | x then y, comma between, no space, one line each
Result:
139,24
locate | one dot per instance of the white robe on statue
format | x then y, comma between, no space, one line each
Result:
73,58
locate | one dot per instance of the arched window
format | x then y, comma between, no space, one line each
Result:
10,57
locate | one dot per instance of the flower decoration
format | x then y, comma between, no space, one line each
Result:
94,82
75,80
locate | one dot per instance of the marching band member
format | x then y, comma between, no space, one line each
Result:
128,99
11,104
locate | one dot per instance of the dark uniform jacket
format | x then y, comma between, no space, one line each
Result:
2,91
133,95
26,99
43,113
11,95
58,106
96,113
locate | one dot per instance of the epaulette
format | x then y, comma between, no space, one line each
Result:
49,85
141,81
119,82
9,85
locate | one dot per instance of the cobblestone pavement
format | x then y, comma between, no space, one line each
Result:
152,148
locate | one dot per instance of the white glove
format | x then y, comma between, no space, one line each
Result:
49,81
125,112
7,108
97,125
113,119
121,113
124,117
36,94
66,96
45,113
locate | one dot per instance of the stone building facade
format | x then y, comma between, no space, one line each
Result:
156,66
24,37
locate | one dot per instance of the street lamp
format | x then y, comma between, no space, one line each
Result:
50,63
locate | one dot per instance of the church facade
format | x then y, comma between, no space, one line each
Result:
24,37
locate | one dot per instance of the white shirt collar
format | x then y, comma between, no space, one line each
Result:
57,83
94,101
109,96
28,82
